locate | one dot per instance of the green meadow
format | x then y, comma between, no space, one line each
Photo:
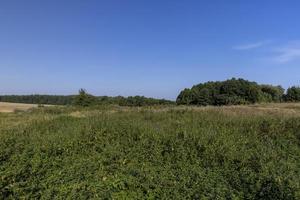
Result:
159,152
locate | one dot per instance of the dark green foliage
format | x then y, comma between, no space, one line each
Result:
38,99
186,97
293,94
149,154
272,93
271,189
133,101
84,99
230,92
143,101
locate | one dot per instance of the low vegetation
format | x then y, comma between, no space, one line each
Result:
161,152
12,107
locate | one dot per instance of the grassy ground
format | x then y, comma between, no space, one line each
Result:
241,152
11,107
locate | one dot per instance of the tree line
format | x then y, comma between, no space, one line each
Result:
235,92
230,92
84,99
38,99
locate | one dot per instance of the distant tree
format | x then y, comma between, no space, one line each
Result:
274,92
202,97
185,97
84,99
293,94
253,94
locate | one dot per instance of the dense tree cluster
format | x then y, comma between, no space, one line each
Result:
234,92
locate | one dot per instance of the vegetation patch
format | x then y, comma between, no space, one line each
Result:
150,153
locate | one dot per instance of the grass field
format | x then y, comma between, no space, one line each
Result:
11,107
111,152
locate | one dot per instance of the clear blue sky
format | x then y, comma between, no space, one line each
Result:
145,47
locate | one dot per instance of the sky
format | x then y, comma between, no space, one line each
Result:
152,48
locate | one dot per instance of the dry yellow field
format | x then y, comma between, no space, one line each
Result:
11,107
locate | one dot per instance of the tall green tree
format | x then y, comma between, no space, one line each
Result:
274,92
84,99
185,97
293,94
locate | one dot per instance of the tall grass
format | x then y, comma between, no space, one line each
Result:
149,153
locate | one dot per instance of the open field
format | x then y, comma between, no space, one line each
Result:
11,107
163,152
